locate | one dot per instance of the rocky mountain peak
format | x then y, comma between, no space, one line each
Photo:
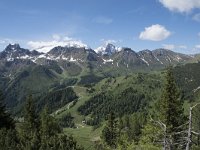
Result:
107,49
12,47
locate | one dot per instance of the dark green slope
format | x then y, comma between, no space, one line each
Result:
136,92
33,80
188,79
56,99
122,95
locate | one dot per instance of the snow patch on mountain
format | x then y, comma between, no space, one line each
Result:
195,90
178,58
72,59
169,59
10,59
107,61
158,59
145,61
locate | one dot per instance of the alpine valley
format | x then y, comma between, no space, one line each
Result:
86,83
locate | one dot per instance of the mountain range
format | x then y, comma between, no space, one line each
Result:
109,57
24,71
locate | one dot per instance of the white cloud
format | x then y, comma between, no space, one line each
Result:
45,46
197,46
2,42
181,5
104,42
111,41
155,33
196,17
169,46
56,37
103,20
108,41
6,41
195,49
67,38
173,47
182,46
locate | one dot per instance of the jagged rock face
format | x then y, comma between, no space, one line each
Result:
12,52
108,57
110,49
72,54
167,56
128,58
107,49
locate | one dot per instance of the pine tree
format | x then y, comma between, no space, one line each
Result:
136,127
67,121
151,134
8,135
29,133
127,122
68,143
121,124
170,107
196,127
5,119
9,139
48,129
110,131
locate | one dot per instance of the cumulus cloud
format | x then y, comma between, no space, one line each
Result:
45,46
103,20
173,46
155,33
182,6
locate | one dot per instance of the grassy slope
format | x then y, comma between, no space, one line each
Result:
85,134
83,96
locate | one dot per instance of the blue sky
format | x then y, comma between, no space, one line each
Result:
139,24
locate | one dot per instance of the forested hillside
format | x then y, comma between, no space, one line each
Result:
125,112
